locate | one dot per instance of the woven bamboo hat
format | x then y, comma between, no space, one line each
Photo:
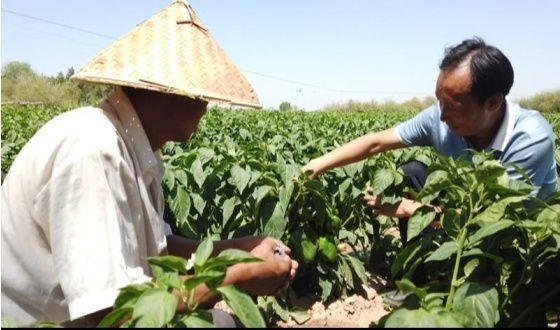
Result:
172,52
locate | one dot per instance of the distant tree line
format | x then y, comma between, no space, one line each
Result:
544,102
413,104
21,84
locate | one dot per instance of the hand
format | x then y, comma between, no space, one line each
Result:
248,243
404,209
313,167
273,274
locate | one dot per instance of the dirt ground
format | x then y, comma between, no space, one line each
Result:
353,311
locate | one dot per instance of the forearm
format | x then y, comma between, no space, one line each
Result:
183,247
206,298
358,149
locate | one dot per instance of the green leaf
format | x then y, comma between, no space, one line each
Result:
209,277
488,229
327,248
169,262
113,317
129,295
406,318
275,223
243,307
489,170
300,316
435,182
48,325
326,288
358,268
448,319
169,177
478,303
146,314
451,222
165,278
433,300
227,209
260,193
496,211
181,205
382,179
9,322
199,203
470,266
420,219
240,178
203,251
444,252
406,286
476,252
405,257
198,173
279,309
198,319
230,257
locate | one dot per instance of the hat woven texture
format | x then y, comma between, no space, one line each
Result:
172,52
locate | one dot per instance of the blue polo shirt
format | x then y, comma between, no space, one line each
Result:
525,138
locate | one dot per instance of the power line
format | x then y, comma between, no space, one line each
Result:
341,91
290,81
58,24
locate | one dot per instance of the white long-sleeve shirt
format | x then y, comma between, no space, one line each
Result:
82,208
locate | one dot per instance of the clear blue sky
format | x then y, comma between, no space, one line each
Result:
369,49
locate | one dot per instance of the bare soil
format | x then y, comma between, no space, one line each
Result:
353,311
357,310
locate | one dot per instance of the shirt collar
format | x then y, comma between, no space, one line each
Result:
149,161
503,136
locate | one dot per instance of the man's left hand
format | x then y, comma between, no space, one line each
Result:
404,209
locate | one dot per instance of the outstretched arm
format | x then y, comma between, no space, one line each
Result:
356,150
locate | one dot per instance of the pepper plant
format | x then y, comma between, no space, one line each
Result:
493,262
174,281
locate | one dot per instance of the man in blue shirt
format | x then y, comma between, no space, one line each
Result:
472,113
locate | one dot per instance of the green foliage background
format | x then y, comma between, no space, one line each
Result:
240,175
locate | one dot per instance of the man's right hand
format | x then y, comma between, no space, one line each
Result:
273,274
313,167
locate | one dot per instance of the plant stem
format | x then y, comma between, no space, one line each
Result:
522,278
462,238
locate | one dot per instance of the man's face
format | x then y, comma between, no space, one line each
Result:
185,114
460,110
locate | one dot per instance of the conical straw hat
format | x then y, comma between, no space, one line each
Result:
172,52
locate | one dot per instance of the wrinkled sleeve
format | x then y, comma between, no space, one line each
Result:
419,130
90,226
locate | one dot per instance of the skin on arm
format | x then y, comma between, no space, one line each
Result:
355,150
266,277
359,149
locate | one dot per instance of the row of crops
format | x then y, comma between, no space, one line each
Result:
494,261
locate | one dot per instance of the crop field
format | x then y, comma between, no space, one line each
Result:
494,261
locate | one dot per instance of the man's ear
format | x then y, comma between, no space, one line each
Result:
494,102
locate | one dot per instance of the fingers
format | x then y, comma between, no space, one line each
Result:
293,270
278,244
291,275
372,201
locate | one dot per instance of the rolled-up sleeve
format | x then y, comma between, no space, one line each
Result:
90,219
418,131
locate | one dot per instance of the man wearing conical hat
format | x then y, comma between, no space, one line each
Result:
82,205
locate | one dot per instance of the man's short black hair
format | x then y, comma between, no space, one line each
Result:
491,70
